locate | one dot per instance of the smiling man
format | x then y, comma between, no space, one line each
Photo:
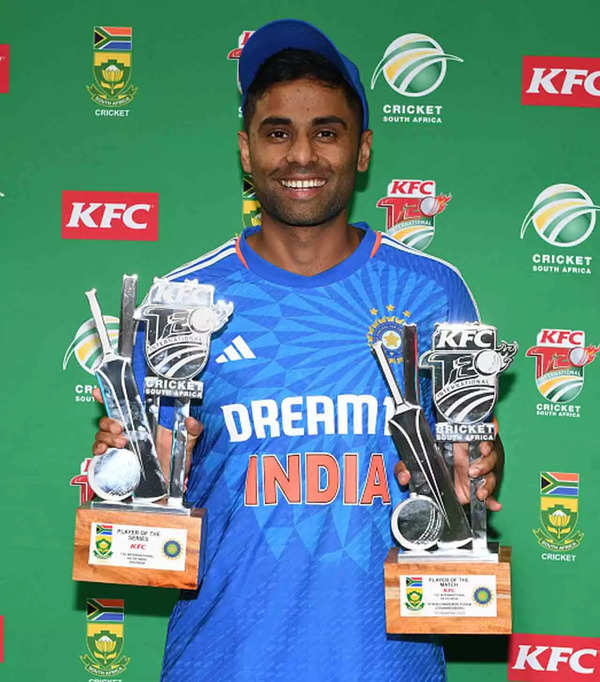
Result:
294,464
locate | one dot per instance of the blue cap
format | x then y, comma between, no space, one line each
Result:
291,33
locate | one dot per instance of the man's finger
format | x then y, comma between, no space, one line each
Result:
109,425
402,473
484,464
97,394
194,429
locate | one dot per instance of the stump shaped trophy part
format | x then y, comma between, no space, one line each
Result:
133,535
445,577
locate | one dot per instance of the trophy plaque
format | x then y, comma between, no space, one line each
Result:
140,532
445,577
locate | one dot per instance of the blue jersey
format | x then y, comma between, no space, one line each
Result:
295,467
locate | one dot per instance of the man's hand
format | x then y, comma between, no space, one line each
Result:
489,465
110,435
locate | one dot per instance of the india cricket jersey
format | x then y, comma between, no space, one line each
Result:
295,467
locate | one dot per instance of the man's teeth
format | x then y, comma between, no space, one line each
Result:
302,184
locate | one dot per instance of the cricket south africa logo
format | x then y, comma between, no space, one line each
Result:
105,638
387,327
563,216
413,65
411,207
559,513
560,357
111,68
414,593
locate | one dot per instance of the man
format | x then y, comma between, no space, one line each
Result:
294,465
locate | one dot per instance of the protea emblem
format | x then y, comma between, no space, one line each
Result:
559,511
112,50
105,638
180,318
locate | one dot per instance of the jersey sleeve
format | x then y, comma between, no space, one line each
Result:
461,304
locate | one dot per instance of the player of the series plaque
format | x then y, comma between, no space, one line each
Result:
139,532
445,577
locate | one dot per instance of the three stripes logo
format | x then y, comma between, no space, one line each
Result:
238,349
562,215
413,65
560,357
559,511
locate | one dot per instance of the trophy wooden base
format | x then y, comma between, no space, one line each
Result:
154,547
456,583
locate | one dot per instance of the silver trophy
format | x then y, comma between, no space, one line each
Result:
466,361
180,318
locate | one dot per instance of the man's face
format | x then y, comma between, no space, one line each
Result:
303,149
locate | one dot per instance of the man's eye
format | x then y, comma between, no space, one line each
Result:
326,134
277,134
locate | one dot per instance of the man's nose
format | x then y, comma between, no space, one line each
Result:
301,150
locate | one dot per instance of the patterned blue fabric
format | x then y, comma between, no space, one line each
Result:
293,586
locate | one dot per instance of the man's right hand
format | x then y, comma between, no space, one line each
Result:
110,435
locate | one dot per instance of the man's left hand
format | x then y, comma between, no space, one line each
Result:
489,465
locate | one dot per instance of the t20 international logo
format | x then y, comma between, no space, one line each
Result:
413,65
563,215
411,207
560,357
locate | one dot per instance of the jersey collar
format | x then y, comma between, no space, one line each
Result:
266,270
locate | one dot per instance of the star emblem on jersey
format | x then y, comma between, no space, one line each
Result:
238,349
388,330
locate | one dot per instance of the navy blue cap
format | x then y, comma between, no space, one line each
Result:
291,33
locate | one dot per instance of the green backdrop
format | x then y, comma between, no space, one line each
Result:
490,152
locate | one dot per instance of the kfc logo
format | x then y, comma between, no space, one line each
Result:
4,67
129,216
553,657
561,81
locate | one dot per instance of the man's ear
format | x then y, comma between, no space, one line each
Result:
244,151
364,151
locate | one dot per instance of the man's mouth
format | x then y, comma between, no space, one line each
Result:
309,183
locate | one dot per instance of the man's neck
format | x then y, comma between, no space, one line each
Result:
305,250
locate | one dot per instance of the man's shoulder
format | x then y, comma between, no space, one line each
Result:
400,255
214,263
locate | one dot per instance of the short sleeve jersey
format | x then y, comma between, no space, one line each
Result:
295,467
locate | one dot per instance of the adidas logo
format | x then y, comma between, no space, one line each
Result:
238,349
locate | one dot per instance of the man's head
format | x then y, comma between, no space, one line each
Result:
305,119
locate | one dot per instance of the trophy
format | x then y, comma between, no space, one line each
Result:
448,578
140,532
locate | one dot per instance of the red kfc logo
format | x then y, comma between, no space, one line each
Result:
561,81
533,658
4,67
129,216
1,639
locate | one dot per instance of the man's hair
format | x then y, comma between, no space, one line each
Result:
290,65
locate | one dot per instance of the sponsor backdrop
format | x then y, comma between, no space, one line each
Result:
119,156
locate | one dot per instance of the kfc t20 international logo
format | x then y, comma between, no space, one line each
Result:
560,357
411,207
125,216
553,658
561,81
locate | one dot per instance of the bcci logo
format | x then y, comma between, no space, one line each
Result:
111,68
465,360
559,512
560,356
387,328
411,207
413,65
563,215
